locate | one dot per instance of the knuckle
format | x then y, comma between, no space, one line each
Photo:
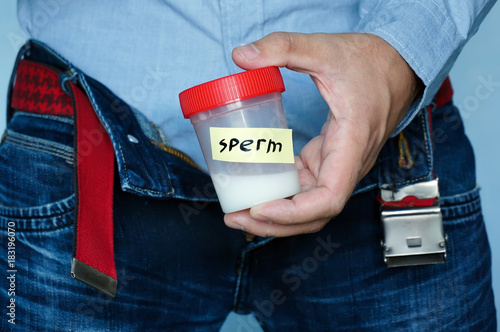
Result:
336,206
318,226
282,40
335,210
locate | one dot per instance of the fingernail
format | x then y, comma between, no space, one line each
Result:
261,218
234,225
248,51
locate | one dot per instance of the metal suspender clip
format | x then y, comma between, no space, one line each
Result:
413,225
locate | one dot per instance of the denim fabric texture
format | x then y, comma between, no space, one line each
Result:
181,269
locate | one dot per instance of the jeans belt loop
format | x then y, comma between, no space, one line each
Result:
37,89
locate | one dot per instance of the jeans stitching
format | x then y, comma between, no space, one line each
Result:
126,183
50,210
63,119
21,141
427,153
31,143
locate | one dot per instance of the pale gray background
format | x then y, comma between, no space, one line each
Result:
479,61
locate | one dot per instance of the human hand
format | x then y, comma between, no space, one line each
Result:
368,87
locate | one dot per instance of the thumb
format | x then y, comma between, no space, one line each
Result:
282,49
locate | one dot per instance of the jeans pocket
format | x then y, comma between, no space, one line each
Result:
462,208
454,163
468,263
36,184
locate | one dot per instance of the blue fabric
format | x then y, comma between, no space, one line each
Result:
165,47
429,35
181,269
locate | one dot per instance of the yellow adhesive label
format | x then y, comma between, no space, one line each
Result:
252,145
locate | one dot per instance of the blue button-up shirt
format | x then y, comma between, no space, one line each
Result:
147,52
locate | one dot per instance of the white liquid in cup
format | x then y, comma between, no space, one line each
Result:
248,100
239,192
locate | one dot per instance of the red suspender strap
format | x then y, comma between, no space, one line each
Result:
444,94
37,90
408,202
93,261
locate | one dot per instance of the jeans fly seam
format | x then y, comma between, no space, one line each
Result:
237,291
242,271
116,146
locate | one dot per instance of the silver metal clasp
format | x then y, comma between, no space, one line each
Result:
413,229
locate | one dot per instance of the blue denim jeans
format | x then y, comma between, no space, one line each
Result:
181,269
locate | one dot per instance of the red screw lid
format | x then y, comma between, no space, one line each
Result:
230,89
